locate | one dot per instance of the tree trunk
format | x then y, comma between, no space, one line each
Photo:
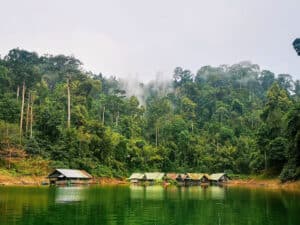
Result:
7,136
8,144
266,165
69,103
103,112
22,112
10,155
156,136
27,114
117,118
18,92
31,115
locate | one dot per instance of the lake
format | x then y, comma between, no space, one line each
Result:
154,205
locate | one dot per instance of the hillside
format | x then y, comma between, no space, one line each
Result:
235,118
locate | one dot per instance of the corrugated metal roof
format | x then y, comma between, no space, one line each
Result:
171,176
137,176
216,176
196,176
154,176
69,173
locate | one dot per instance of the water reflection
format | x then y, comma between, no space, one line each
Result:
216,193
70,194
155,192
159,193
135,205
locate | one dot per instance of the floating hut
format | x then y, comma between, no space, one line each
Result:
69,177
204,179
175,178
171,177
136,177
154,177
196,178
181,178
218,178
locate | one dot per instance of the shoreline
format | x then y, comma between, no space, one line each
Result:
272,184
38,182
9,180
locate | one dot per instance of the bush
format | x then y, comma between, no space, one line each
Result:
102,171
289,172
33,166
239,176
58,164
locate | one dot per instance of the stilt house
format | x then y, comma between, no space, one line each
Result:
218,178
69,177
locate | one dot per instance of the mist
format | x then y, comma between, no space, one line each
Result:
134,86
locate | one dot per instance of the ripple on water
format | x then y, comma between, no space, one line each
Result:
147,205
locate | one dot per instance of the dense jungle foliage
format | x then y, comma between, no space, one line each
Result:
237,119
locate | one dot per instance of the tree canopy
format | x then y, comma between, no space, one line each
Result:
235,118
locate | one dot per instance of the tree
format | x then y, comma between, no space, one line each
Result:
12,156
266,78
233,118
69,103
293,133
5,81
270,135
285,81
182,77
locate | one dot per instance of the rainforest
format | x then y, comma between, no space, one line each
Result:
238,118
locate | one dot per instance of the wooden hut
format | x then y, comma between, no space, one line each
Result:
170,177
69,177
218,178
175,178
181,179
204,178
136,177
196,178
154,177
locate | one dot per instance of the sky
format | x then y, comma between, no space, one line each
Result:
145,39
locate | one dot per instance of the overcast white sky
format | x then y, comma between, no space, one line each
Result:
139,37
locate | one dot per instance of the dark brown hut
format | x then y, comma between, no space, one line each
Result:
181,178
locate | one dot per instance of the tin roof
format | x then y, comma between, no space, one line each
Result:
136,176
216,176
196,176
69,173
172,176
154,176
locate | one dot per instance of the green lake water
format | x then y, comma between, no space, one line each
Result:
154,205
